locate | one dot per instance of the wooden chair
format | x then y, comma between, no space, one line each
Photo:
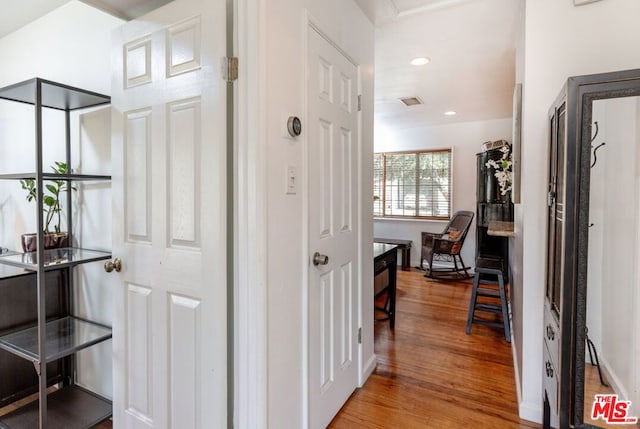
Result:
446,246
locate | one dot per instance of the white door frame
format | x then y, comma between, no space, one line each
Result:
250,232
312,24
250,251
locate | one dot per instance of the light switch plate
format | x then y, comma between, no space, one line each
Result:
292,180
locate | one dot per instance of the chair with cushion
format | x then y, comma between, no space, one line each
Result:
446,246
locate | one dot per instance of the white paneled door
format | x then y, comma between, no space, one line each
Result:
169,224
332,137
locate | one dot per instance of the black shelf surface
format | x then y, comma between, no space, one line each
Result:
70,407
63,337
54,176
54,95
54,258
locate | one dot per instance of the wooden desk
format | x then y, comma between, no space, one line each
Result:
403,245
385,257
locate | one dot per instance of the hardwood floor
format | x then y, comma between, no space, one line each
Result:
430,374
593,387
14,406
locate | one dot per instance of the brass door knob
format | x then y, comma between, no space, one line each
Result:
116,264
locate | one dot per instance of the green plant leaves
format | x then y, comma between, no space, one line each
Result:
50,201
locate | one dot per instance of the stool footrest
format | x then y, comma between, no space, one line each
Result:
488,323
489,308
489,292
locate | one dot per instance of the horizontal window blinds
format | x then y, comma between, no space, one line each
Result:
412,184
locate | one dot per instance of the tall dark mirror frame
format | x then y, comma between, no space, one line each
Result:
584,90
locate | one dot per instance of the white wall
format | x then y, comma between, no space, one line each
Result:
613,282
70,45
515,244
465,139
284,31
560,41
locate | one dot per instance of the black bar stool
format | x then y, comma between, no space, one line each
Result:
486,270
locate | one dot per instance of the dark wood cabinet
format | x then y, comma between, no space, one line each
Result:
491,205
555,263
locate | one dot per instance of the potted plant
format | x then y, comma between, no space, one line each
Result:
51,208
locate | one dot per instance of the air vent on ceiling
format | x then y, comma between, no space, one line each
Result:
411,101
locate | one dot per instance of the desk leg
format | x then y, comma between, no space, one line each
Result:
393,268
406,259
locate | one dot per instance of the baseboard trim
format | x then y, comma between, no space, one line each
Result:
368,369
516,368
526,410
530,411
616,383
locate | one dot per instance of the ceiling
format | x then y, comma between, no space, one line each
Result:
14,16
471,44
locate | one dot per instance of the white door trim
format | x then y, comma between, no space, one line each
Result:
310,23
250,234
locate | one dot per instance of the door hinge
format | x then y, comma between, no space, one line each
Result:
359,335
359,102
230,69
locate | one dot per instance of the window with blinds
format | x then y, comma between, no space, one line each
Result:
412,184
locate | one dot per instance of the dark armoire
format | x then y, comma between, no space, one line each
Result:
491,206
587,114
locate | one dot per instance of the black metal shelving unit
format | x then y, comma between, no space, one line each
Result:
70,406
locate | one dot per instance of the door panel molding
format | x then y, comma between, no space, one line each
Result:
170,326
327,81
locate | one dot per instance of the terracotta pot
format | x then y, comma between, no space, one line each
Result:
54,240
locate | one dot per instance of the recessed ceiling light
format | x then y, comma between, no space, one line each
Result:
420,61
450,113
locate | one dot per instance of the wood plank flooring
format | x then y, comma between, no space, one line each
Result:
593,387
430,374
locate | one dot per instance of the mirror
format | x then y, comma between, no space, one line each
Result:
613,277
606,298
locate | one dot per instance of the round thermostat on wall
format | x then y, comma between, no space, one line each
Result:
294,126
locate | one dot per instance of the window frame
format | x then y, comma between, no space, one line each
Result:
384,180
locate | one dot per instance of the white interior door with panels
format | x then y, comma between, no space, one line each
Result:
332,142
169,218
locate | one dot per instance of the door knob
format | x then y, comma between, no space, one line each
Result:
551,334
116,264
319,259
